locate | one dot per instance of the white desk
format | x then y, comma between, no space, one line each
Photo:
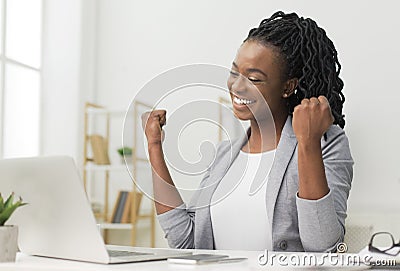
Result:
31,263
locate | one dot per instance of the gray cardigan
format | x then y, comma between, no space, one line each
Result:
297,224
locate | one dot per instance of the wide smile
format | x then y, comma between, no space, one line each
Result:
242,101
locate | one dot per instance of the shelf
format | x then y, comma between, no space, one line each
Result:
100,111
91,170
116,167
122,226
116,226
106,167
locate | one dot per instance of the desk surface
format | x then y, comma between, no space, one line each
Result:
25,262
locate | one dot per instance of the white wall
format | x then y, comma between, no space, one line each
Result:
61,97
137,40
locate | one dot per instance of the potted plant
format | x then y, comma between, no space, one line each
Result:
8,233
125,152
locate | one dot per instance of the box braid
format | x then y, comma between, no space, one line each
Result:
307,54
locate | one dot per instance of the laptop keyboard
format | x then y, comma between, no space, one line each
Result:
125,253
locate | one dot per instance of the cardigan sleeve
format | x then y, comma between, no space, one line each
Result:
178,224
321,222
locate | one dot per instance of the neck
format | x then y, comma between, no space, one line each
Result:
265,135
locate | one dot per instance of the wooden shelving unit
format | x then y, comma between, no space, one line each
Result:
89,166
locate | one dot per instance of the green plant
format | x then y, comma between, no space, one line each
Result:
8,207
125,151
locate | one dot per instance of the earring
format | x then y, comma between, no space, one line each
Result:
285,95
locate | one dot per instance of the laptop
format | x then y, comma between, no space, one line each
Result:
58,221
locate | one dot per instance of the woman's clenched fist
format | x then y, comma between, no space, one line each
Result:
152,123
311,119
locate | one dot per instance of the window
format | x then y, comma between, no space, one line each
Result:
20,46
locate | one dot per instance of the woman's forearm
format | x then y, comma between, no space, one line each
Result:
312,179
166,196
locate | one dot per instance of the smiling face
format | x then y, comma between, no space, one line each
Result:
256,75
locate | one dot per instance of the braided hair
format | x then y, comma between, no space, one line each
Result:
307,54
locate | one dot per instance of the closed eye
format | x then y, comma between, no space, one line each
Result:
254,80
234,73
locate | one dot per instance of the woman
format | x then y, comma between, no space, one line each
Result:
302,207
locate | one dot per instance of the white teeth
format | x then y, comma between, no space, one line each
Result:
242,101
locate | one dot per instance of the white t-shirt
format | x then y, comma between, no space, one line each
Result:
238,211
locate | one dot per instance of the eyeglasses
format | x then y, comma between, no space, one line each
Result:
386,241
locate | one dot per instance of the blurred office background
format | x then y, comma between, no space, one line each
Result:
56,55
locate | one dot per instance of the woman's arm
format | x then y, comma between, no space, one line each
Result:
166,196
325,175
311,119
176,221
322,221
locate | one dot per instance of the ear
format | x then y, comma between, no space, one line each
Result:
290,87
